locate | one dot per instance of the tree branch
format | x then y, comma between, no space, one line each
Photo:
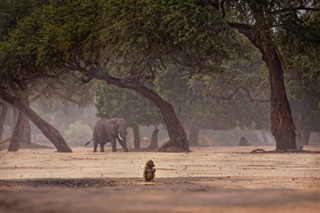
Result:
245,29
228,98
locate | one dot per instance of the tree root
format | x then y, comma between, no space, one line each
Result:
170,147
6,140
284,151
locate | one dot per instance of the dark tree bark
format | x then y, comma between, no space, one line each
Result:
4,110
136,136
18,133
154,139
176,132
282,125
49,131
193,136
21,133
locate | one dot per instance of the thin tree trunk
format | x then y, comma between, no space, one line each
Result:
18,133
264,137
176,132
193,136
27,133
4,110
154,139
305,137
49,131
136,136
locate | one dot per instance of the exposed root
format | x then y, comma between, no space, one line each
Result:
169,146
6,140
284,151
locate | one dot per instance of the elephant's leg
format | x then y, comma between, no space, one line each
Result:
124,145
95,142
95,146
113,144
101,147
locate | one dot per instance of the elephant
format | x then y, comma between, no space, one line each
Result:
108,130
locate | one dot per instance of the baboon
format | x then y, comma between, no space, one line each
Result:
149,171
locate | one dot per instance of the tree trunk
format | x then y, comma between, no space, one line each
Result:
282,124
264,137
136,136
18,133
49,131
305,137
4,110
176,132
193,136
154,139
27,133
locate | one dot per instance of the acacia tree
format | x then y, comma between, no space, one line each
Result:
111,41
301,61
20,75
261,22
236,97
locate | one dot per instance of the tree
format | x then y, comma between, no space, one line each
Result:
301,59
18,74
261,22
130,56
233,98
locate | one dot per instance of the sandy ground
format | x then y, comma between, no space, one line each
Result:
216,179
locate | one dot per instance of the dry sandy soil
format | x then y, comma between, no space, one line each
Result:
216,179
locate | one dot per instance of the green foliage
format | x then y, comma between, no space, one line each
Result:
52,35
112,101
12,11
148,42
204,101
77,134
144,33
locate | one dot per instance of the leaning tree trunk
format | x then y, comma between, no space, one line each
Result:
176,132
193,136
49,131
136,136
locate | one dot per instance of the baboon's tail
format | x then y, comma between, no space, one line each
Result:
88,142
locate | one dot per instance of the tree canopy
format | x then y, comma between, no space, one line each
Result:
131,43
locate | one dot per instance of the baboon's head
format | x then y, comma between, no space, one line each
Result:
150,163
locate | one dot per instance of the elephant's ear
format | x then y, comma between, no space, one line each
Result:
111,127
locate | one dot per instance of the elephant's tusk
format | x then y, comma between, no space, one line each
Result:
120,137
